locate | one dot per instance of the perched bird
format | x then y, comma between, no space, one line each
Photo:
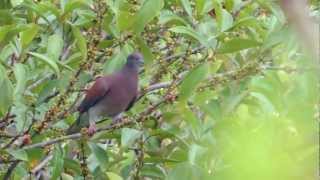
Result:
109,96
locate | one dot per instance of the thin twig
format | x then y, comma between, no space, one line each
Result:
38,82
42,164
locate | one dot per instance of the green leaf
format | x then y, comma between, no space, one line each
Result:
149,10
72,5
245,22
6,17
237,44
6,52
7,32
227,20
264,102
229,4
191,81
191,120
4,31
168,17
20,110
72,165
224,18
65,176
145,50
57,162
276,37
100,154
124,20
65,66
19,154
51,63
200,7
33,7
6,95
49,7
105,44
28,35
54,50
80,41
152,171
232,102
55,46
113,176
190,32
187,6
21,78
195,152
128,136
117,60
213,109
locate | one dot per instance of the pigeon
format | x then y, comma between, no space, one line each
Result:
109,96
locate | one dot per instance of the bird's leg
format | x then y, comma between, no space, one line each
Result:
92,128
92,122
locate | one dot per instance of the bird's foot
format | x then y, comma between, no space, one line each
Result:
92,129
117,119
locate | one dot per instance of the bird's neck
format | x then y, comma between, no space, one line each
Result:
131,67
130,70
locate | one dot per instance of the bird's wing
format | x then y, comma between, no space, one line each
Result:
131,103
96,93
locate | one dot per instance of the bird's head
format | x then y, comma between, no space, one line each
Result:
135,60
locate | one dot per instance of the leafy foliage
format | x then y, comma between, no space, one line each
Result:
227,92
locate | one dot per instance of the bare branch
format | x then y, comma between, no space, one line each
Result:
42,164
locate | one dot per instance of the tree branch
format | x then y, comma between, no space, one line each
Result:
41,164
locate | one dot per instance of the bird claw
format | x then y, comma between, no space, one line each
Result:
92,129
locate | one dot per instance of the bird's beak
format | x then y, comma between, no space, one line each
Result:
141,62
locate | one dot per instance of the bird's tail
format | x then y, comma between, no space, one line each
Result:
81,122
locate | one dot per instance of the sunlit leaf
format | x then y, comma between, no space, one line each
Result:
148,11
81,41
6,17
187,6
224,18
191,81
145,50
73,4
51,63
190,32
237,44
168,16
264,102
152,171
28,35
6,95
128,136
57,162
20,73
19,154
113,176
100,154
124,20
191,119
55,46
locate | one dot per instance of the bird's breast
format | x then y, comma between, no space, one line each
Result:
117,99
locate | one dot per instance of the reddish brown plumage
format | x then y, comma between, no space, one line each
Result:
110,95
